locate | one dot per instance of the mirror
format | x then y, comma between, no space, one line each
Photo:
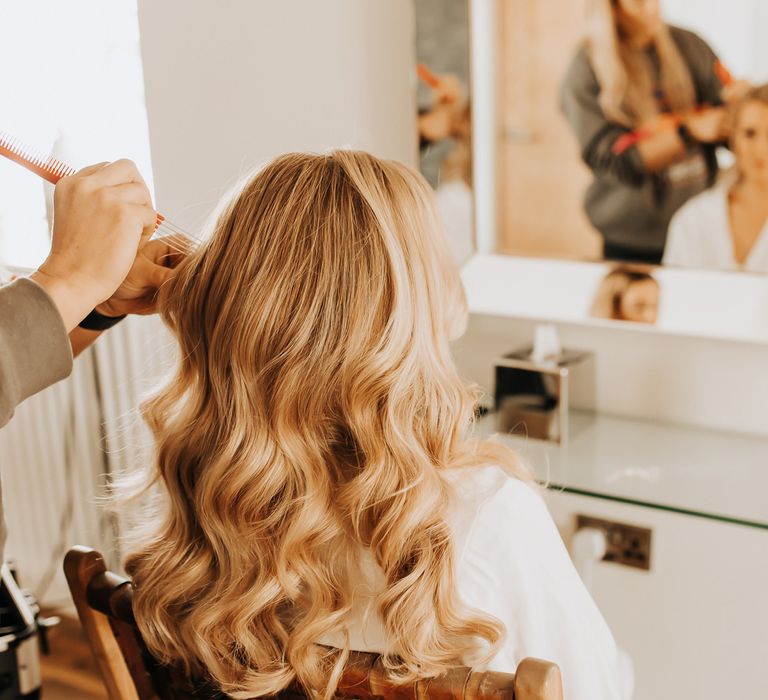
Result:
531,180
630,131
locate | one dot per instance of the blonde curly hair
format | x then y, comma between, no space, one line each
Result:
314,411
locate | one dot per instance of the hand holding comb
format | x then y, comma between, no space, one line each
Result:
52,170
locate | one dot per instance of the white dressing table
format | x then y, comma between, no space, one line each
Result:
696,622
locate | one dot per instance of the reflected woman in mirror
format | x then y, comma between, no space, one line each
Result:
316,479
644,100
627,293
726,227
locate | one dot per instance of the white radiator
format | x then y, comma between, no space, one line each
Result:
60,444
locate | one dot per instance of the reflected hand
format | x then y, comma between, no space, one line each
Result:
155,264
436,124
449,90
708,125
735,91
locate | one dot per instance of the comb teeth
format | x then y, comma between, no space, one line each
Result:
52,169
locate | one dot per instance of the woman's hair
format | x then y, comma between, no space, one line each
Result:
314,412
624,73
755,94
733,116
613,288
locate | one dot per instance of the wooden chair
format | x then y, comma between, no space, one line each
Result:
104,604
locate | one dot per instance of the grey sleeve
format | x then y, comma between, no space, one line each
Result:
34,346
595,134
702,62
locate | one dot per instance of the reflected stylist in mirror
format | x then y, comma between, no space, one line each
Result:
644,100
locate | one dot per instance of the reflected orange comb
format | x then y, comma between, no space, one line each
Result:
723,74
47,167
427,75
52,170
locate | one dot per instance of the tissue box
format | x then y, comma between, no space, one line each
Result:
536,398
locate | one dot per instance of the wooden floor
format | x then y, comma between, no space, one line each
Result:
70,672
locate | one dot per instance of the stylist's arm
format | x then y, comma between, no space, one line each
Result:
103,216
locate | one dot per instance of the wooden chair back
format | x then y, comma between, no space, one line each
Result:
104,605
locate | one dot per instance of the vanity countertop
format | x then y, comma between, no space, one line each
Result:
704,473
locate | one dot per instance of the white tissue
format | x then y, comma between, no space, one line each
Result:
546,344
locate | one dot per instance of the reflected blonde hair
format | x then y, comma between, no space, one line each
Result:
614,287
624,73
315,411
758,93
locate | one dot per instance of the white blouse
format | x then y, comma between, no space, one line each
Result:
512,563
700,235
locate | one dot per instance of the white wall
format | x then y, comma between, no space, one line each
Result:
709,383
231,85
734,29
694,625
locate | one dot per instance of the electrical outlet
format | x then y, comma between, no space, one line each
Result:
625,544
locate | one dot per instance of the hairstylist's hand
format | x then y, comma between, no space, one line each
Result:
735,91
708,125
101,216
436,124
154,265
449,90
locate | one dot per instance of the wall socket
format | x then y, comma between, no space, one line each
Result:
625,544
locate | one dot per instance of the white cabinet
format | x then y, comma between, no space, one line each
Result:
696,623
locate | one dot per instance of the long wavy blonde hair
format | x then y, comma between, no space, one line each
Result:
315,411
625,74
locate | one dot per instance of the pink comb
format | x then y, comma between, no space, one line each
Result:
47,167
52,170
723,74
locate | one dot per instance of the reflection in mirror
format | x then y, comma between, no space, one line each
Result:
628,293
618,117
725,226
445,156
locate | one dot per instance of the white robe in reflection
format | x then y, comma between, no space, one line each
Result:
700,235
454,202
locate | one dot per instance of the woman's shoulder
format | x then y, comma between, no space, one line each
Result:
705,207
489,488
479,479
491,484
488,499
700,224
516,504
515,566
